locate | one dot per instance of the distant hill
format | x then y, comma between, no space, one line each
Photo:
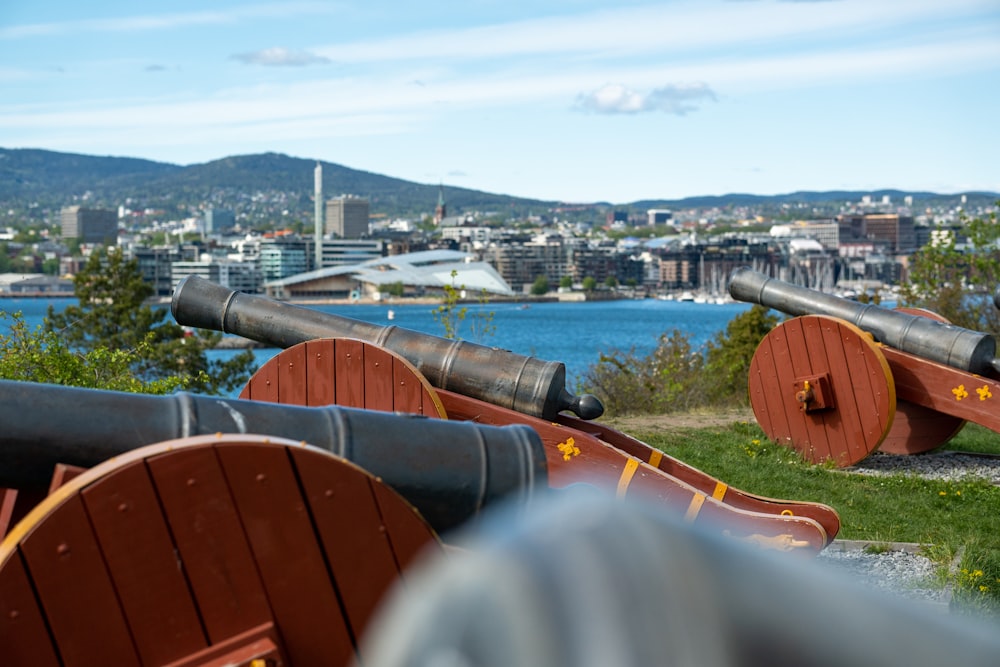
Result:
49,175
54,179
812,197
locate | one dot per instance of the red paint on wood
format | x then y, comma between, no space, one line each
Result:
321,388
210,540
378,379
62,555
24,639
293,376
278,525
148,579
351,532
349,372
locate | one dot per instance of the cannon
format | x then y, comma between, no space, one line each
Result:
448,470
938,341
351,372
223,549
525,384
843,379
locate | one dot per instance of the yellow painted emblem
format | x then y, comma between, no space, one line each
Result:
960,392
568,449
984,392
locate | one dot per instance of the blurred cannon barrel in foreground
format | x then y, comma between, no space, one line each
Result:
448,470
947,344
587,581
526,384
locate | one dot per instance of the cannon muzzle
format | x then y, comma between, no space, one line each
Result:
947,344
526,384
448,470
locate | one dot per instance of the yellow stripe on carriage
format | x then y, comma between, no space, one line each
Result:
692,511
631,465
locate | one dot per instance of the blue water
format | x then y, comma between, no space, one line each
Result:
574,333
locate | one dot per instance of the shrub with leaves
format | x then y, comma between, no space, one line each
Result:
113,313
675,376
41,356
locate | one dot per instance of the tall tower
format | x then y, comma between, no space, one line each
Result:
440,211
319,210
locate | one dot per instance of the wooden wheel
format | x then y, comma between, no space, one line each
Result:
346,372
221,549
822,386
916,428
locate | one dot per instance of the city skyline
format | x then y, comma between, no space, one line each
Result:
567,100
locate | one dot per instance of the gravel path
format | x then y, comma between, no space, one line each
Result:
902,570
934,465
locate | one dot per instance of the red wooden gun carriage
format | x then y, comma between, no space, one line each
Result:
843,379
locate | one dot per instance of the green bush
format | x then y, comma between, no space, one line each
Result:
675,376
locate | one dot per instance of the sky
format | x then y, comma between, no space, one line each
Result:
568,100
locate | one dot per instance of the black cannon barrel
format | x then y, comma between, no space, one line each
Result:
500,377
448,470
954,346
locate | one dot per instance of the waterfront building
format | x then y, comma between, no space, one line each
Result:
282,259
346,252
156,267
30,284
895,230
825,232
520,264
707,266
419,273
236,275
347,217
219,221
90,225
468,236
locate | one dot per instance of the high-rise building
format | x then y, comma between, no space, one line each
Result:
347,217
318,213
90,225
219,220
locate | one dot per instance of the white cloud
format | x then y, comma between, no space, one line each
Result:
616,98
280,57
664,28
165,21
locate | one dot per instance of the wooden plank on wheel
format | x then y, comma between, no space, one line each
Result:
210,541
24,639
280,531
62,554
137,547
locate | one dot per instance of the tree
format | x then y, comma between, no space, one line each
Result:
728,355
611,282
541,286
396,289
42,356
958,282
113,313
566,282
589,284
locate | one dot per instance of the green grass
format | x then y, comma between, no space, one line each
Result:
947,518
